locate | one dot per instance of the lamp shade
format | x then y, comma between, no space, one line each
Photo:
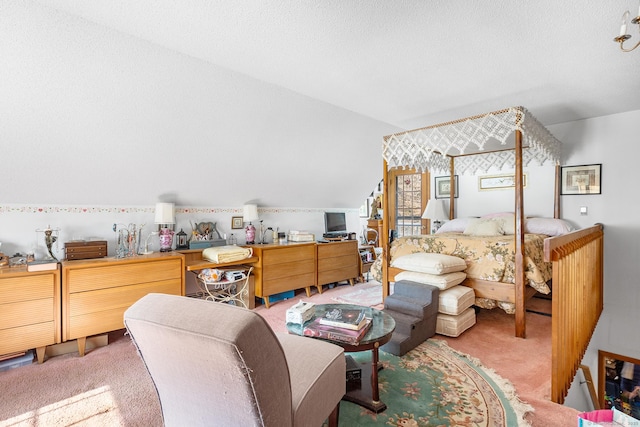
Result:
250,213
435,210
165,213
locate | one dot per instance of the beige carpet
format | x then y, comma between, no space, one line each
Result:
110,387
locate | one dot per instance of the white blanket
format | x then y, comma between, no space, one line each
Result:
229,253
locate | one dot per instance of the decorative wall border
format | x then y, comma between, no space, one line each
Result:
57,209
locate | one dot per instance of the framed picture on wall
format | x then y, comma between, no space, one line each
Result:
500,182
236,222
443,187
583,179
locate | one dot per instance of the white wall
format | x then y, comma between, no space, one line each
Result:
613,142
20,222
91,116
538,194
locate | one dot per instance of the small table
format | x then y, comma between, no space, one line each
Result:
366,393
240,291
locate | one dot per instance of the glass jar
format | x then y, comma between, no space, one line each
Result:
232,240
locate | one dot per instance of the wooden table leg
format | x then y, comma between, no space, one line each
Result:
375,390
366,393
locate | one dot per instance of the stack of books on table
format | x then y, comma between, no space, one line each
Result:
342,325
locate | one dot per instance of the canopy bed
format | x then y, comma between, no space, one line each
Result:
510,138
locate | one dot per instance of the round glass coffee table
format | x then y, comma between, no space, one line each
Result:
363,393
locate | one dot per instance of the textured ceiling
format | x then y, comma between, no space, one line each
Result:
408,63
283,101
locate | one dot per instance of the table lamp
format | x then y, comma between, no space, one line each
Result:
165,217
436,213
250,213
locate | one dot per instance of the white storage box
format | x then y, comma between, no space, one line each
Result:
453,326
606,418
300,313
455,300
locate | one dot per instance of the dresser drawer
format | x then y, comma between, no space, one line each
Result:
338,263
98,311
331,250
27,337
289,269
291,282
113,276
26,313
288,254
27,287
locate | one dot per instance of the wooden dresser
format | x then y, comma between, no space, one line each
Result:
29,310
337,261
96,292
282,268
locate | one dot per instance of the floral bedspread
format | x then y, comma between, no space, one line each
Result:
487,258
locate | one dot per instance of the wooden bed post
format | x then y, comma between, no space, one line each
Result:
384,239
556,194
452,188
521,330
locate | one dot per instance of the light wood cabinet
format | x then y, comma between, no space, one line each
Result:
96,293
367,258
282,268
337,261
29,310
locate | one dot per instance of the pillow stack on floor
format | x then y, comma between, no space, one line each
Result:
455,311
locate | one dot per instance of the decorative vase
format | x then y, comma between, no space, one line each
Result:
251,234
166,239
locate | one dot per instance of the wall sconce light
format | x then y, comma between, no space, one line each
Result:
165,217
435,211
249,214
624,36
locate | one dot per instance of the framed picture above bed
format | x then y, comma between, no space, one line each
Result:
443,187
500,182
582,179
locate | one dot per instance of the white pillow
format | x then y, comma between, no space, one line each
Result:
509,224
456,300
429,263
548,226
456,225
442,281
485,227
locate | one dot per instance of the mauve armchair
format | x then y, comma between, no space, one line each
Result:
215,364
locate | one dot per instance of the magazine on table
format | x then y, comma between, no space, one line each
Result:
348,318
316,329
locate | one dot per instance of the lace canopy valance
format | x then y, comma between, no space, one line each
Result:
470,142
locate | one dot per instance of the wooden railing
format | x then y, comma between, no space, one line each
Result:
577,301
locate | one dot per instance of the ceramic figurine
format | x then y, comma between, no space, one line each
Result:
49,240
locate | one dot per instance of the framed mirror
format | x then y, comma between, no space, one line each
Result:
619,383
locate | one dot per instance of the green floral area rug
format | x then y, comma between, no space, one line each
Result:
434,385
